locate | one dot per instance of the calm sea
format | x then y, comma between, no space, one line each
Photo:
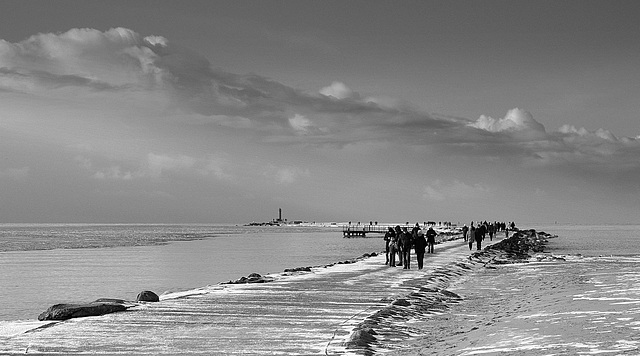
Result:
45,264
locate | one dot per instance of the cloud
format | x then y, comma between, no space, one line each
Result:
152,71
157,166
286,175
300,123
455,190
122,60
516,121
338,90
117,58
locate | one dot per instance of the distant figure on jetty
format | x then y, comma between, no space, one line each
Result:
393,248
387,240
472,236
431,239
479,237
465,229
399,244
407,243
420,244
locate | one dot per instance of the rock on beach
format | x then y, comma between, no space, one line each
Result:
519,247
69,311
102,306
147,296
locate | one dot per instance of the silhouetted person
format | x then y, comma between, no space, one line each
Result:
406,248
420,244
393,249
431,239
399,244
387,240
478,238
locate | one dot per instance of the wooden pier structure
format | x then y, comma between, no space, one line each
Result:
363,230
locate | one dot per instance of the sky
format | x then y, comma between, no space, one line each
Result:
333,111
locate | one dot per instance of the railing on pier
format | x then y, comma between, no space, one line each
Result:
363,230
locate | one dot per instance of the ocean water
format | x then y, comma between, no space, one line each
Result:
46,264
584,300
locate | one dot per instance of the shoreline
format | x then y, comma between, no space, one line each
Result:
418,294
433,295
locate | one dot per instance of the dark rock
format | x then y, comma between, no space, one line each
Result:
402,302
147,296
68,311
361,338
252,278
298,269
111,300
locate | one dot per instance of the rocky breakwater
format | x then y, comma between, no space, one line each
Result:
258,278
98,307
519,247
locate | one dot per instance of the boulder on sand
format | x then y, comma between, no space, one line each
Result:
68,311
147,296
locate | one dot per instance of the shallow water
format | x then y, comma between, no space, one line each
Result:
33,280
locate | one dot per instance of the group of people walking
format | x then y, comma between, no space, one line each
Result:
399,241
479,232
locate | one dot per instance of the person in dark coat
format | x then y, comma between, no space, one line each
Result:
479,236
431,239
483,230
407,243
399,244
387,241
420,244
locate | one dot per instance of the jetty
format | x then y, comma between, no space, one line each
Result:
364,230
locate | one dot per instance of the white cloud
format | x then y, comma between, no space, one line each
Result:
116,58
584,133
300,123
515,120
338,90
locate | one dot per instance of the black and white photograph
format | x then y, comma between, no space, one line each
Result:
320,177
